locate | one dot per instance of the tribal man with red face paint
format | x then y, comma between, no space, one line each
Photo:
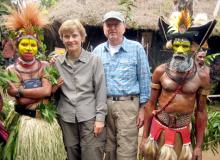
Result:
176,87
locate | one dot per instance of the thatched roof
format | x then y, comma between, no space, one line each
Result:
145,14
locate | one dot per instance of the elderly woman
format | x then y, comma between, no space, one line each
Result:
31,136
82,104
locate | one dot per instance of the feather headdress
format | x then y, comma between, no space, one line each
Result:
180,22
180,26
26,21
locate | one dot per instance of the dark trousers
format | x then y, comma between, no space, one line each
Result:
80,142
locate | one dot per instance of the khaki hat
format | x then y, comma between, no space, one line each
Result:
114,15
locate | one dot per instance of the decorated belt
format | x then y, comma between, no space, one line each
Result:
28,112
174,120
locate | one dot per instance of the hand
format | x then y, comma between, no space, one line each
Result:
141,146
197,154
53,58
98,127
140,118
12,89
60,81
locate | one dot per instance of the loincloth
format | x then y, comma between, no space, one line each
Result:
157,127
165,143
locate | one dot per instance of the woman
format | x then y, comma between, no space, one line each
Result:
31,136
82,105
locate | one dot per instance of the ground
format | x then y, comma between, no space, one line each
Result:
206,155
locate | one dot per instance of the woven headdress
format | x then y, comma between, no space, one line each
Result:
26,21
180,26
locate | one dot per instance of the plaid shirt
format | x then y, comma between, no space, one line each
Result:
127,71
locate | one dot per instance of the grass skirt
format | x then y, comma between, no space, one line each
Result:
34,139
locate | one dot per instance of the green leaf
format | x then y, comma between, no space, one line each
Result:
48,111
51,74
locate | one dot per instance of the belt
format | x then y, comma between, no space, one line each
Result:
174,120
28,112
121,98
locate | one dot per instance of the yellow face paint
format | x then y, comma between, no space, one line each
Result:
27,46
181,46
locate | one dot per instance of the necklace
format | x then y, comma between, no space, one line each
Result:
28,72
26,64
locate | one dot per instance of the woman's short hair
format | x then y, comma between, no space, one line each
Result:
71,26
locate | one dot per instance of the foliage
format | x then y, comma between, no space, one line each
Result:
210,58
51,74
6,76
48,3
11,125
1,59
126,7
212,133
48,111
8,105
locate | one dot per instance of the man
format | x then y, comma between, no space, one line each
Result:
128,78
82,105
200,57
176,87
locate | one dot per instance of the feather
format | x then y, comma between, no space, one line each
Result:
26,19
184,20
180,21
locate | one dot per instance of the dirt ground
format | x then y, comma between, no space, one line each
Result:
209,155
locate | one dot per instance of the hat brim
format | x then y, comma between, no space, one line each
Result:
117,18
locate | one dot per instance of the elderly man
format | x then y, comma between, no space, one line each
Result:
128,78
176,87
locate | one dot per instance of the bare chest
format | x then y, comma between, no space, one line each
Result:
189,87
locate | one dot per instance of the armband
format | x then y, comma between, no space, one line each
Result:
204,92
155,86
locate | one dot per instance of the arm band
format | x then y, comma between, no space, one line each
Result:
155,86
204,92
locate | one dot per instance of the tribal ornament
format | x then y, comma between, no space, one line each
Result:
26,22
180,22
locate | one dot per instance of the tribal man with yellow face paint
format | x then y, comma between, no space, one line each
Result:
182,57
176,87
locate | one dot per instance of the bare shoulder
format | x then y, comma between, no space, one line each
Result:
204,75
160,69
158,72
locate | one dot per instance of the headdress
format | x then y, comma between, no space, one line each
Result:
26,21
180,26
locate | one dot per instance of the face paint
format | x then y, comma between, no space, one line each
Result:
27,48
181,46
182,58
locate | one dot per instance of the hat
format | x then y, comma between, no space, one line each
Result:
26,22
198,34
115,15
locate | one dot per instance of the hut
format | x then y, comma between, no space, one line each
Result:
143,24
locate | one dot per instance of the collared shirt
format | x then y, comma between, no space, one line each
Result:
83,94
127,71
